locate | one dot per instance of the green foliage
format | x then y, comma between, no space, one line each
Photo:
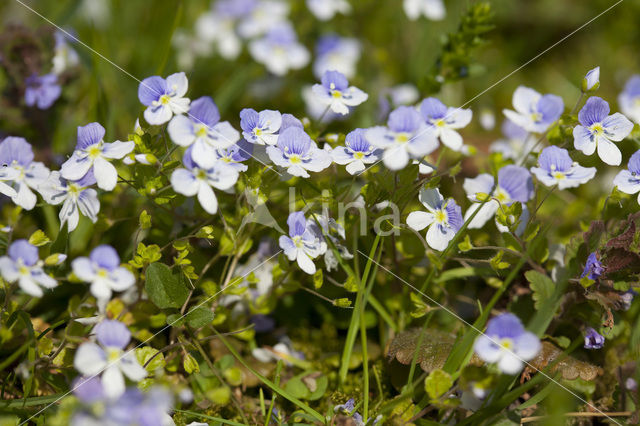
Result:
165,288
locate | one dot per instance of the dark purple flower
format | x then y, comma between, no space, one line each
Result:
593,340
593,269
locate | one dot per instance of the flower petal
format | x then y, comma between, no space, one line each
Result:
90,359
105,173
609,152
419,220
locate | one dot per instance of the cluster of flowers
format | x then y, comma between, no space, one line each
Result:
213,159
272,41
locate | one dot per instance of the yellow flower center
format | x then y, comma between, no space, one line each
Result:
295,159
94,152
402,137
336,94
202,131
297,241
439,123
113,354
558,175
102,273
257,131
74,189
441,216
201,174
165,99
358,155
536,116
506,343
597,129
23,270
502,196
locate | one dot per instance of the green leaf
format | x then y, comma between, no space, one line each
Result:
465,245
145,220
39,238
297,388
541,285
437,383
165,288
146,353
199,317
190,364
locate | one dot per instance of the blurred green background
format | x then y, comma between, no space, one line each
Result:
136,35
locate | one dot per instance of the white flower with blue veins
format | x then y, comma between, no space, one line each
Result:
336,94
102,269
356,153
444,218
22,264
279,50
109,358
260,128
555,167
195,180
19,174
202,129
219,31
405,137
93,153
75,196
598,129
516,143
628,181
163,97
296,152
445,121
507,344
263,16
514,185
302,244
534,112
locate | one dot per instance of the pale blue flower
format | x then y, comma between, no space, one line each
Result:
108,358
598,129
406,136
235,155
64,57
103,271
629,99
514,184
356,153
507,344
42,91
591,81
260,127
19,174
195,180
336,53
534,112
444,218
163,97
336,94
516,143
555,167
203,129
23,265
628,181
75,196
296,152
445,121
93,153
279,50
302,244
265,15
